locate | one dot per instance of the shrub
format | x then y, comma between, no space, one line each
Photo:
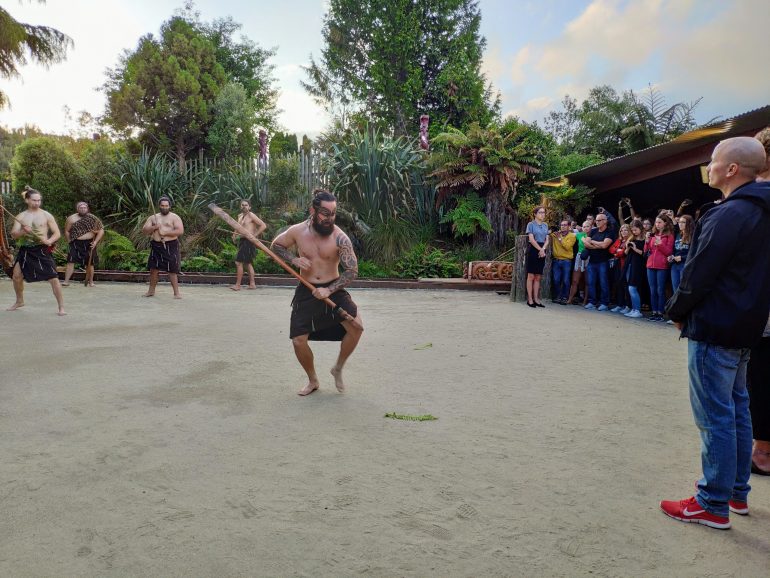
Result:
45,164
370,270
101,176
283,182
203,263
426,261
468,216
265,265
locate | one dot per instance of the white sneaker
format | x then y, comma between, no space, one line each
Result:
602,308
615,309
634,314
625,310
589,306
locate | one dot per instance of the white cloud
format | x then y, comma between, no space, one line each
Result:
492,64
300,114
609,33
521,60
733,68
539,103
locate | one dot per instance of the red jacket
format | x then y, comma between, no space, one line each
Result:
618,250
658,253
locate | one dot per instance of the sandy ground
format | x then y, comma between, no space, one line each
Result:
164,438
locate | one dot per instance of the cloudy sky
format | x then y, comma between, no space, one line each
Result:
536,52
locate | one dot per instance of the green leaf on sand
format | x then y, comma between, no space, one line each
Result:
426,417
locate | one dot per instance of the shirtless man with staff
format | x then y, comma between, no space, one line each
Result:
164,229
37,232
246,249
322,247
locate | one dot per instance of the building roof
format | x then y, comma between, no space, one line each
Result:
689,149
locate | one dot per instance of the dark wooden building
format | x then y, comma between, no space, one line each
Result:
661,177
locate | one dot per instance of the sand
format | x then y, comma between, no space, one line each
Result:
153,437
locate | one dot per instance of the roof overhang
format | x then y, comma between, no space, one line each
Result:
690,149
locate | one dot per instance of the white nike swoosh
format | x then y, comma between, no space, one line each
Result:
687,512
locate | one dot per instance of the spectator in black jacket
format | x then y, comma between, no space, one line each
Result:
721,306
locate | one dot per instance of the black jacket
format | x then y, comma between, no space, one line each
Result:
724,295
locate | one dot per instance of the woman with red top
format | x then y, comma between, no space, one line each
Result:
618,252
659,244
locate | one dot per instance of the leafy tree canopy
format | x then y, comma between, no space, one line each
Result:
609,125
283,143
393,60
166,90
20,41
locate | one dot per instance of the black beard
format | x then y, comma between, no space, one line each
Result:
165,211
323,230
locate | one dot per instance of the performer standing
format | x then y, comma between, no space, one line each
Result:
322,247
164,229
83,231
37,232
246,249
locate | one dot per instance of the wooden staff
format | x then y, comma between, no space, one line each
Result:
244,232
21,223
88,264
6,256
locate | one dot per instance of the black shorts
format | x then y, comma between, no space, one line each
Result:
246,251
313,317
36,263
80,251
164,256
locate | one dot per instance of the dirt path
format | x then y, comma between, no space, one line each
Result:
164,438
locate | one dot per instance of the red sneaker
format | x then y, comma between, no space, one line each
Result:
689,510
740,508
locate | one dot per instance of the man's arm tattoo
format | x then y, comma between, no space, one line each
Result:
349,264
283,252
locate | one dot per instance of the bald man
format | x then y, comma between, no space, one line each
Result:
721,307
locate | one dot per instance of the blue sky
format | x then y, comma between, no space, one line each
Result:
536,52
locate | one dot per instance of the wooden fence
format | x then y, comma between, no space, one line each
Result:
310,173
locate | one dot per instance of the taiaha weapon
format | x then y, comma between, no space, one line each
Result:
245,233
6,257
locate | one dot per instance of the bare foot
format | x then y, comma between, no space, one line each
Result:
338,383
91,284
148,294
235,288
61,313
177,296
308,389
252,287
65,283
15,306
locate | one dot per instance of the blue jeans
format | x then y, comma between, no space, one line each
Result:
598,272
657,280
636,300
720,406
562,271
676,274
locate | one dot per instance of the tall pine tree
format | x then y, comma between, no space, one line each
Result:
393,60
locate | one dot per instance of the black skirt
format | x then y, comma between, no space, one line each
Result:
80,252
314,317
36,263
535,263
164,256
246,251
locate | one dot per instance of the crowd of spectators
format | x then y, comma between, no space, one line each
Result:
625,265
